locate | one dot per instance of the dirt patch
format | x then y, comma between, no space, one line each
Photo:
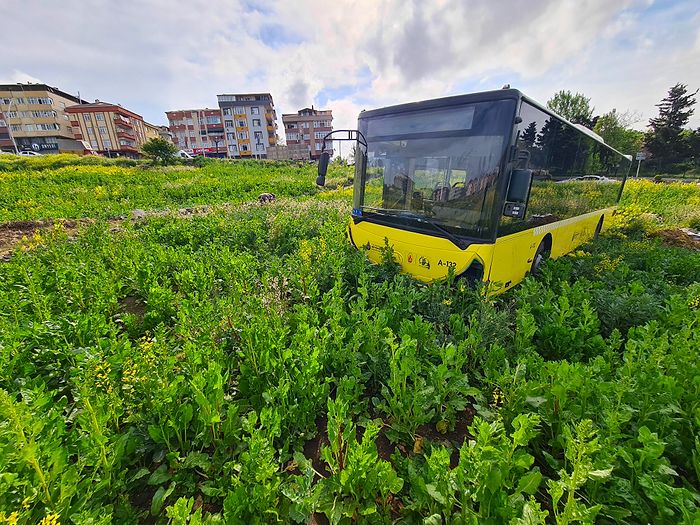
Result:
452,438
12,233
679,237
133,305
312,448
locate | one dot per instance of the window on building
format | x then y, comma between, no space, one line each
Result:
256,122
244,147
228,123
94,145
260,147
16,127
320,134
291,126
2,123
231,136
62,104
255,110
239,110
20,100
317,123
5,101
228,112
305,125
100,116
292,136
233,148
258,136
103,130
214,119
319,145
190,122
205,139
243,135
90,130
11,114
193,138
107,143
242,124
29,127
86,117
306,136
24,114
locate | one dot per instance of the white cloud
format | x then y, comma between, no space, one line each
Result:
154,55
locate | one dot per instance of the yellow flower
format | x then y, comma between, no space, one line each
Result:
12,518
26,502
51,519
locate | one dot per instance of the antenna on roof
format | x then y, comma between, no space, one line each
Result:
506,86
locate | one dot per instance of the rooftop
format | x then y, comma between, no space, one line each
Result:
29,86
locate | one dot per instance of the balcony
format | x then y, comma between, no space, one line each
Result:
121,121
271,128
125,135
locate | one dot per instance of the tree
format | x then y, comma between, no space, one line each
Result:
529,135
665,139
614,128
572,106
159,150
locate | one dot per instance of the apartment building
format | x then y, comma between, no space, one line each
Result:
250,123
198,131
108,128
152,131
307,127
35,116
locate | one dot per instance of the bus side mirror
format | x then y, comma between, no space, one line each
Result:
323,168
518,194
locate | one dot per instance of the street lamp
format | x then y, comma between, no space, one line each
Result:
216,140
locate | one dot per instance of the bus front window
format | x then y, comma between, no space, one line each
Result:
437,166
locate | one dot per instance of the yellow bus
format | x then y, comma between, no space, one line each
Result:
486,184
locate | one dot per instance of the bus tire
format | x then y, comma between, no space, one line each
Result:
599,228
541,255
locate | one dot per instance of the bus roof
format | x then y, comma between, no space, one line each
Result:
483,96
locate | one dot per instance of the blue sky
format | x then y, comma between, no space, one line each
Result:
157,55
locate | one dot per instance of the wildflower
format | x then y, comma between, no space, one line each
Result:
497,397
694,303
12,518
50,519
26,502
447,302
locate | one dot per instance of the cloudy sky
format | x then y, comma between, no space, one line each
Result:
157,55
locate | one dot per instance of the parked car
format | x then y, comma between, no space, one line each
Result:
29,153
590,178
182,154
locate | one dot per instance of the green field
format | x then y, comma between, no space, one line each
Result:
243,364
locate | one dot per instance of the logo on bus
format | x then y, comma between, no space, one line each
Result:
424,262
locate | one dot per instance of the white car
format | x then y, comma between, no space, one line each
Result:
182,154
29,154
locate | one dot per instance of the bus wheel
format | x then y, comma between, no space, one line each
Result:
541,255
599,228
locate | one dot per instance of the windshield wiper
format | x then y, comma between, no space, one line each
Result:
421,219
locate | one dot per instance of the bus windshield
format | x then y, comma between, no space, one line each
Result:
436,167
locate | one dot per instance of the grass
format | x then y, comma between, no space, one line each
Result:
248,366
